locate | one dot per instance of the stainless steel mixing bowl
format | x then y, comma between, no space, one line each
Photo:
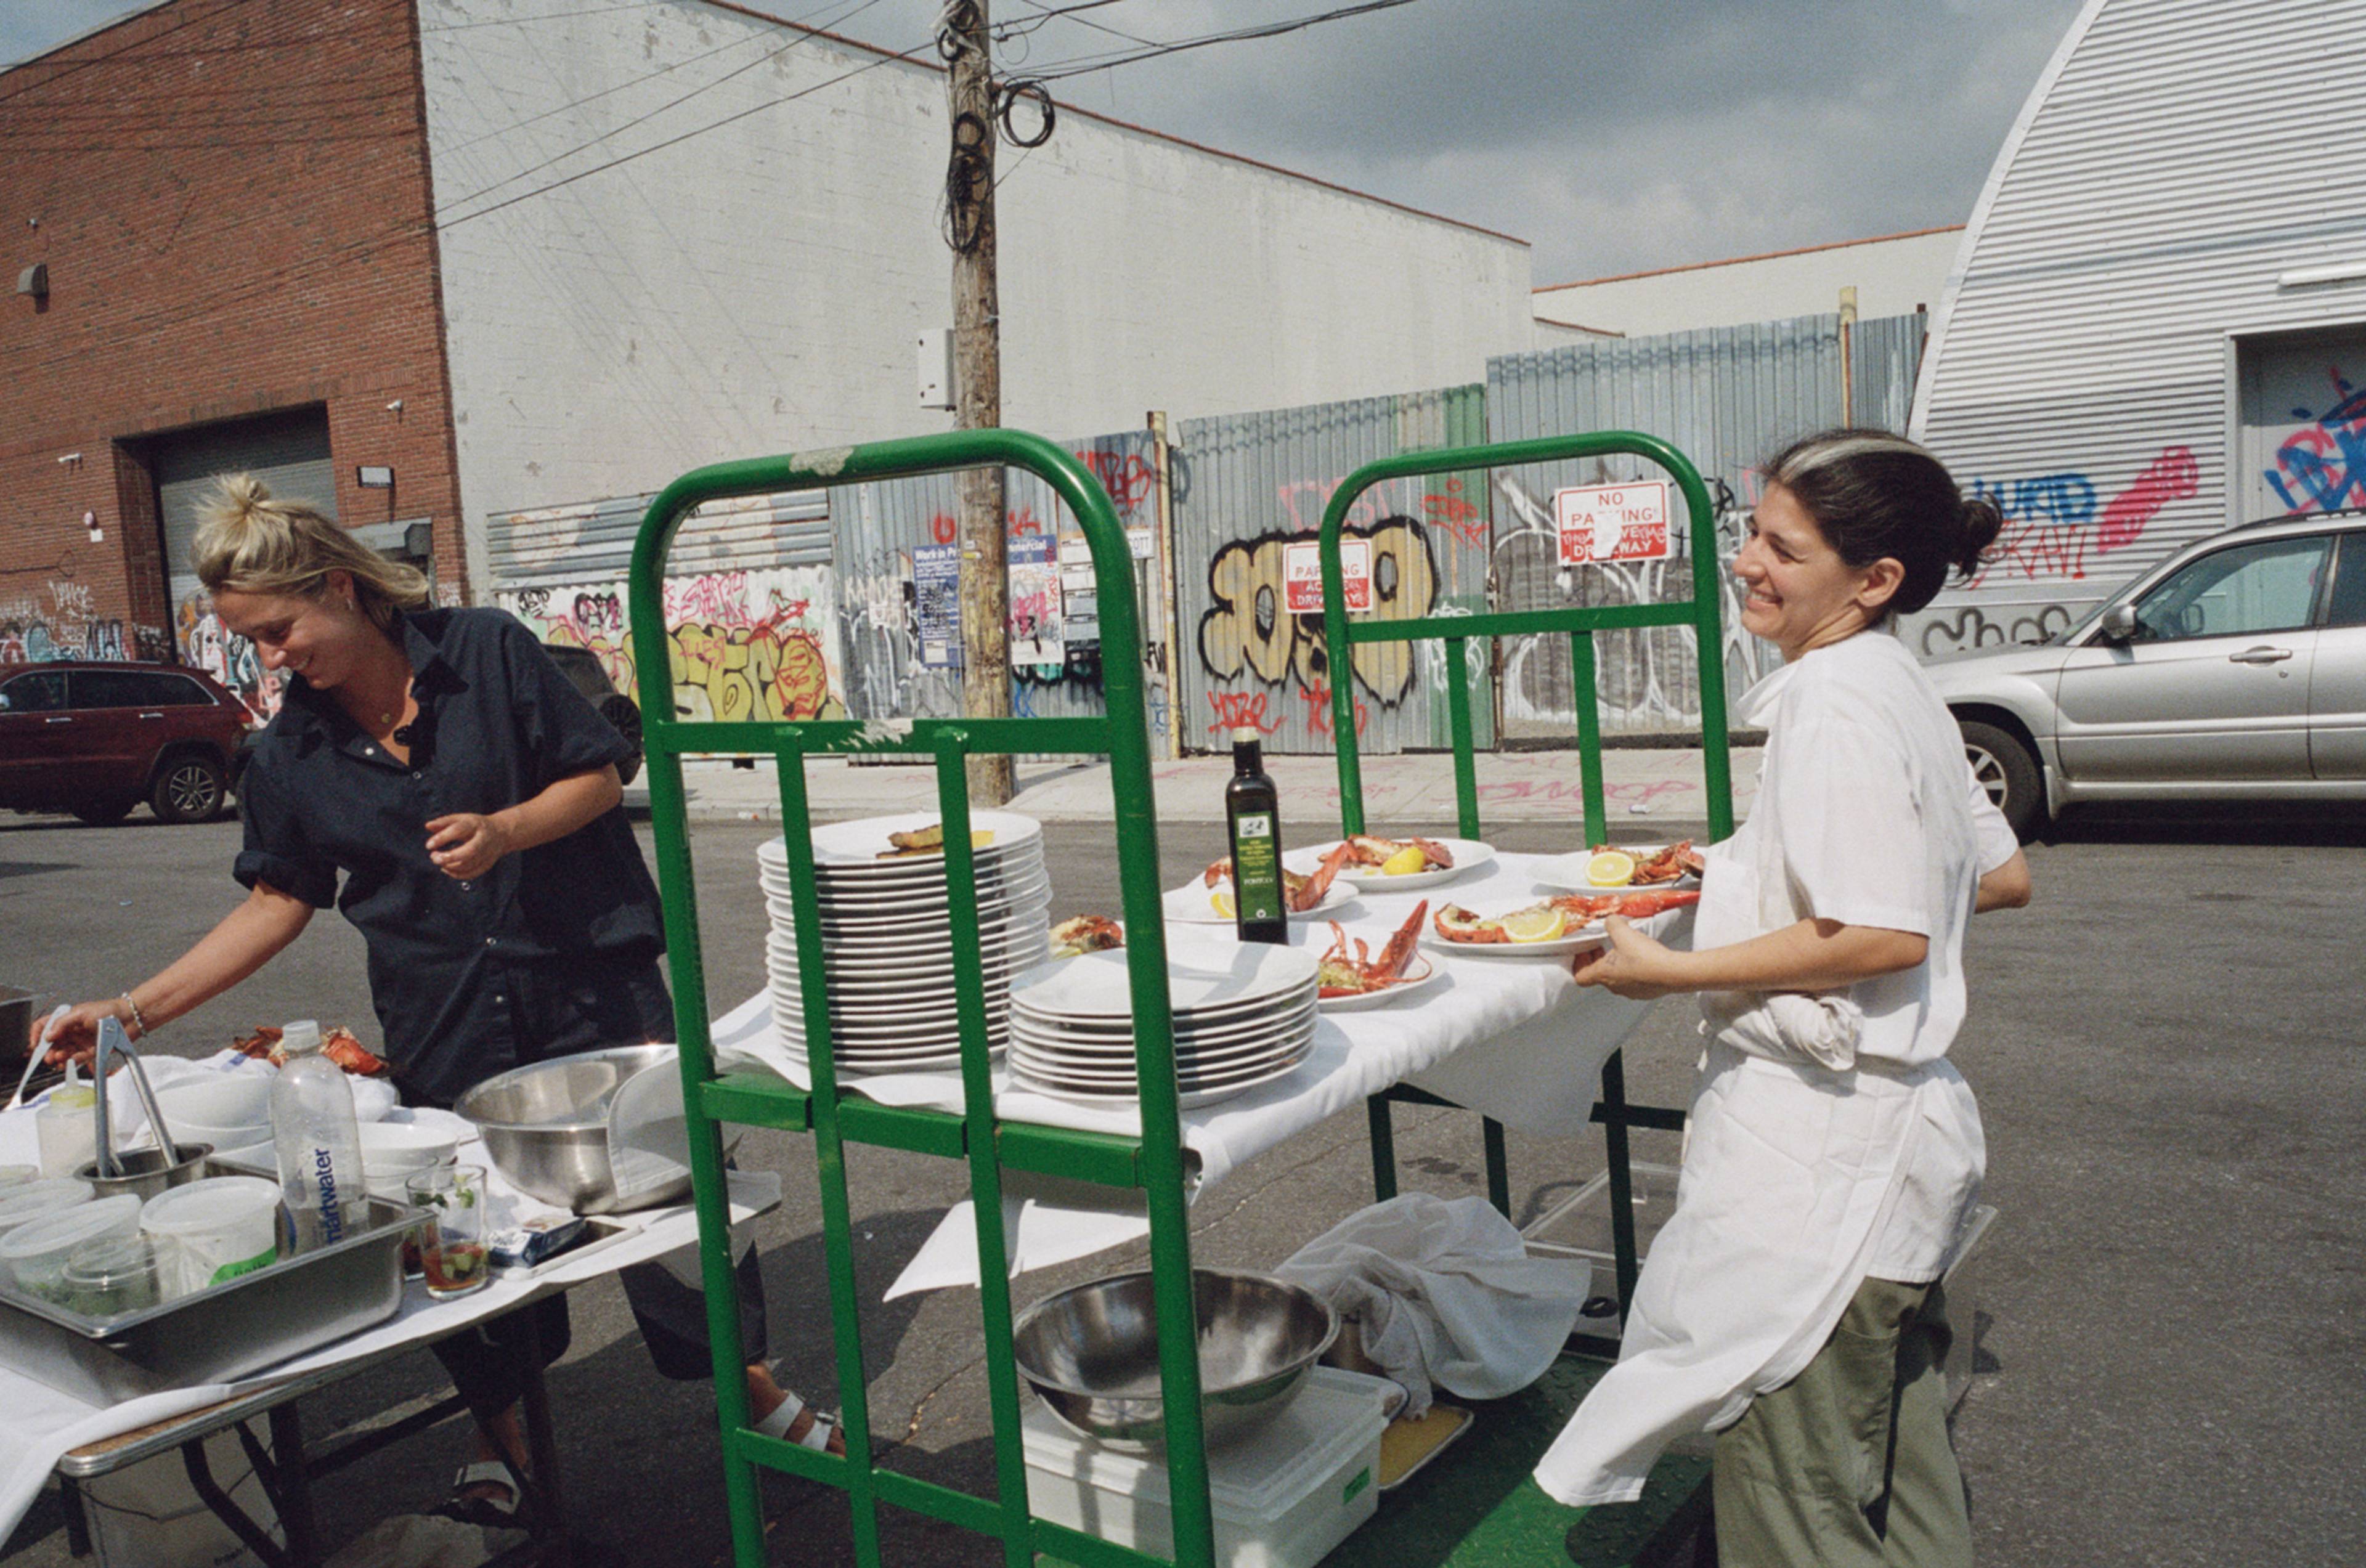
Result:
546,1126
1091,1353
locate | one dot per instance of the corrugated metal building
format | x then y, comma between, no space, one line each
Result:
2156,327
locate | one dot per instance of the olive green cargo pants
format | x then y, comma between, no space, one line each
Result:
1848,1465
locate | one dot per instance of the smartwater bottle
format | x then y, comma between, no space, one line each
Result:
320,1145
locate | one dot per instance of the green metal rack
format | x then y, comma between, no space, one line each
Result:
1342,637
1152,1162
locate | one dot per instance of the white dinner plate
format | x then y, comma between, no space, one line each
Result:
859,844
1193,1100
1194,903
1469,855
858,928
1122,1083
1567,872
1211,1059
1188,1021
1583,938
1203,969
1196,1074
1421,974
1120,1037
920,945
781,906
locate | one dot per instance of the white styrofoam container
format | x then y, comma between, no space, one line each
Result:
1282,1498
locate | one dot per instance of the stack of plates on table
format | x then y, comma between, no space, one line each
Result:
887,949
1243,1016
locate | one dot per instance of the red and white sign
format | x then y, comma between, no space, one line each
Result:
1302,576
1607,523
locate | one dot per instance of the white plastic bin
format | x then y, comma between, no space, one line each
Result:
1283,1497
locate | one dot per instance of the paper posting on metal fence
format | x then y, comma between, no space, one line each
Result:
1301,575
1613,523
1037,635
935,604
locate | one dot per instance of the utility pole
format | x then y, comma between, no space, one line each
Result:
977,379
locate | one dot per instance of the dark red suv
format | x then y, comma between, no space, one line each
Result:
95,740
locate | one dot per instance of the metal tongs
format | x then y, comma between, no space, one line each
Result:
113,1041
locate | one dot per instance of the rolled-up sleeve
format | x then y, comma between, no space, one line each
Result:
1998,842
561,732
1851,829
275,851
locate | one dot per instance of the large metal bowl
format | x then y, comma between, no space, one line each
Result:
1091,1353
546,1127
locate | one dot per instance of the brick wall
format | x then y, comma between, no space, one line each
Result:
232,200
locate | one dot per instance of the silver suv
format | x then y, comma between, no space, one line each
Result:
2235,667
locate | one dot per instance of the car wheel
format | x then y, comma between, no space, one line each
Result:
104,813
2006,770
190,788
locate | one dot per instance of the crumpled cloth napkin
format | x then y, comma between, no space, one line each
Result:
1445,1295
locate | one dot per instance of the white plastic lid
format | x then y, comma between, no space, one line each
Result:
300,1036
64,1231
212,1205
31,1199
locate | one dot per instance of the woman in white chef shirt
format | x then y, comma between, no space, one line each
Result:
1790,1303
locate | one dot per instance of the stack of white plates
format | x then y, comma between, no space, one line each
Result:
887,948
1243,1016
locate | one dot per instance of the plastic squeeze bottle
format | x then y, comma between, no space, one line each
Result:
320,1145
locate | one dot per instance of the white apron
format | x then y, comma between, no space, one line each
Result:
1792,1172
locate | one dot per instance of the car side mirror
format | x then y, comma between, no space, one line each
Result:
2120,623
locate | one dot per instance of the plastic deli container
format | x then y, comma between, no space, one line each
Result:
112,1275
33,1256
31,1199
213,1230
1283,1497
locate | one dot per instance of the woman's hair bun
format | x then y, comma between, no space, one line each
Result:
1983,521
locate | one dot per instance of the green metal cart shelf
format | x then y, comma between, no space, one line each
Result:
1153,1161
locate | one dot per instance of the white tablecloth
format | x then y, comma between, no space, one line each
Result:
1512,1038
43,1423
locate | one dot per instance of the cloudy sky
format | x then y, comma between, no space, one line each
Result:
1612,134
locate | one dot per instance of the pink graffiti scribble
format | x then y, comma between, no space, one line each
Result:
2323,467
2173,476
1318,711
1236,708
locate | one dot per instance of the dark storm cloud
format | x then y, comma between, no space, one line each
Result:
1614,134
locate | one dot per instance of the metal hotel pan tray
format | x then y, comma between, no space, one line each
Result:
219,1333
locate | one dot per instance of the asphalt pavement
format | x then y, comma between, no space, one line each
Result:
2172,1310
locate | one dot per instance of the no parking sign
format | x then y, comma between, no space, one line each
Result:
1613,523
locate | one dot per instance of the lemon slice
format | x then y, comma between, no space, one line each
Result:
1405,861
1224,903
1534,925
1610,868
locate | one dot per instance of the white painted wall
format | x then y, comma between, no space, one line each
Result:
758,288
1893,277
2174,163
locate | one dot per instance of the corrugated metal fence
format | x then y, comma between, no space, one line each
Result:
1248,485
1728,397
843,602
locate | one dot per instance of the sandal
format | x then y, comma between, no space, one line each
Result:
484,1511
785,1416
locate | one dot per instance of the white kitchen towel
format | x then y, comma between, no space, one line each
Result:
1445,1294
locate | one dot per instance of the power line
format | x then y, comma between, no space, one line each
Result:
1003,32
1086,63
642,119
1097,26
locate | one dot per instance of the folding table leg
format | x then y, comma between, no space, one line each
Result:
209,1493
290,1481
1384,1148
541,1449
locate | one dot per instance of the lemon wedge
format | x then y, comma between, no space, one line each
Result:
1405,861
1224,903
1610,868
1534,925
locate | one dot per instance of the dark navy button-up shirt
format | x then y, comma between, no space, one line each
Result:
498,723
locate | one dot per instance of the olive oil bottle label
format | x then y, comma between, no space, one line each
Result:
1256,867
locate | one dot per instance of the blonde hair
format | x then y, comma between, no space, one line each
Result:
248,542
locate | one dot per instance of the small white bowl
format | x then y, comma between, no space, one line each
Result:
391,1146
373,1098
216,1099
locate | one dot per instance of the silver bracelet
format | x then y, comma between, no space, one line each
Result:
138,1021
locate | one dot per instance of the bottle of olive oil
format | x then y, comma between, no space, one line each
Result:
1253,814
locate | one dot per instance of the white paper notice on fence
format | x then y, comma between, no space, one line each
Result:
1613,523
1301,575
1038,634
